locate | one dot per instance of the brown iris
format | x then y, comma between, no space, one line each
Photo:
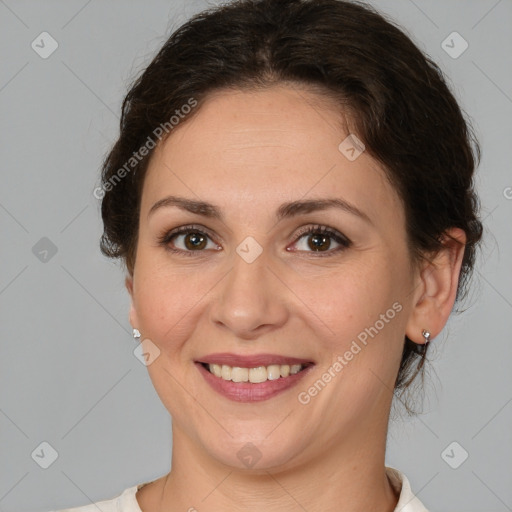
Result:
318,241
195,241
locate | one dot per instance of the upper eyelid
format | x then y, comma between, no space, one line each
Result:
183,230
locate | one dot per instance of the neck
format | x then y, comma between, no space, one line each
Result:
349,475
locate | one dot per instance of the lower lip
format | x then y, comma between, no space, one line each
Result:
248,392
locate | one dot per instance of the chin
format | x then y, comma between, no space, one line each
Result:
254,453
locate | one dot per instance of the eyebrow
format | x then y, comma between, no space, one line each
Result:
286,210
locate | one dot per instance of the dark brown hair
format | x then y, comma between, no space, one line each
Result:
395,97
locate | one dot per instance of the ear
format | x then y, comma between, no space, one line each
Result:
133,313
436,288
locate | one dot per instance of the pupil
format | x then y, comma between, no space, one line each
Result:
319,240
195,240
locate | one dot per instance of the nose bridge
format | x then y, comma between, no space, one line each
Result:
249,296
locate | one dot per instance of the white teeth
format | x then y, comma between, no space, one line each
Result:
295,368
254,375
225,372
274,371
258,374
216,369
284,370
239,374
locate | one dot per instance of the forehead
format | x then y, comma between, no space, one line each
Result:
262,148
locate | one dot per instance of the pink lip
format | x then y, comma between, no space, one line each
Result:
248,392
252,361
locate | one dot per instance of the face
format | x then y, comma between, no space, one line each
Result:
260,284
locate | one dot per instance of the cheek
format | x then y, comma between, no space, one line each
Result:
167,301
344,301
361,316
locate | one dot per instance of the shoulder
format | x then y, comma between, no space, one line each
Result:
407,501
125,502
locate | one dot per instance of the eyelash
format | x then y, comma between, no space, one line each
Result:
165,239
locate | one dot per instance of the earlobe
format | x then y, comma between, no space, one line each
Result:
438,284
133,316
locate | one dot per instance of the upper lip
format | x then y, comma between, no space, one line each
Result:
250,361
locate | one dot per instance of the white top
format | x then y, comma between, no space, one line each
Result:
127,502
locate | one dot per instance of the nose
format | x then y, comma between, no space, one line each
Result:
250,300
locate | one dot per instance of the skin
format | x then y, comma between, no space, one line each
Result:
248,152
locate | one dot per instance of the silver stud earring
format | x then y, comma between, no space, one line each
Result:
136,333
426,335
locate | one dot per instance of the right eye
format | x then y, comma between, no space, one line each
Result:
192,240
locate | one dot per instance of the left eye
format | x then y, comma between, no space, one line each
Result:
319,240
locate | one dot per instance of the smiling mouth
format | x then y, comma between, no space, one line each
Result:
255,375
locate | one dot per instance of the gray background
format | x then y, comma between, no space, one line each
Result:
68,375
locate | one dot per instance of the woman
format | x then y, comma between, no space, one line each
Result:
292,195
